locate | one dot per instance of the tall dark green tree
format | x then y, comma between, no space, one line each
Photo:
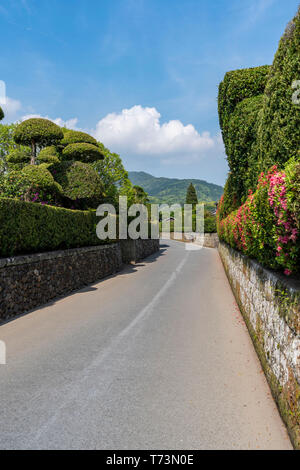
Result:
191,195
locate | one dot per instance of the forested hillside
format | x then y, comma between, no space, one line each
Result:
172,190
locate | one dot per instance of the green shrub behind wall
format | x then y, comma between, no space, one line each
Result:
242,131
237,86
279,127
27,227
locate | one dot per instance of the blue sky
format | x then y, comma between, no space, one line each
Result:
141,75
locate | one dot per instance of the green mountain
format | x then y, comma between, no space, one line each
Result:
172,190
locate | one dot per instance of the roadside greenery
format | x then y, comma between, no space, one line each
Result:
26,227
259,211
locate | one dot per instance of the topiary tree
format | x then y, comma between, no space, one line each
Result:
1,114
76,137
191,195
19,155
81,185
37,132
49,155
83,152
279,126
33,184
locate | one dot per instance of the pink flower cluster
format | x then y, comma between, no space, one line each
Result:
264,220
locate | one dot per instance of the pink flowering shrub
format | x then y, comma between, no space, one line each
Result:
266,226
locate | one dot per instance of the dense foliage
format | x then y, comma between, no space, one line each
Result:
266,226
261,130
242,161
279,126
8,145
34,183
191,195
81,185
83,152
37,132
19,156
237,86
76,137
49,155
26,228
1,114
139,195
240,102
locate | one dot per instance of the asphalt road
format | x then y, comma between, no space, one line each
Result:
157,357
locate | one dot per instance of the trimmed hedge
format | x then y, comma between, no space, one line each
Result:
50,150
240,102
83,152
50,159
279,127
40,131
34,183
27,227
19,155
237,86
266,226
242,131
75,137
80,183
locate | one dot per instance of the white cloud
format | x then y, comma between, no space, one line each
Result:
69,123
139,131
11,107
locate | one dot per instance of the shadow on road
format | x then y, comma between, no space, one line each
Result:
126,269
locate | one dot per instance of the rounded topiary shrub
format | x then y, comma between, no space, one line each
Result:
83,152
19,156
49,159
33,184
76,137
42,184
242,135
81,184
1,113
279,127
49,155
50,150
237,86
37,132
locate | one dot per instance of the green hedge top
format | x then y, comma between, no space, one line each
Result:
240,142
76,137
19,155
83,152
238,85
279,128
51,150
27,227
1,113
80,182
39,131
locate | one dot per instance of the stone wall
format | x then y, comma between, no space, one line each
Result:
135,250
29,281
207,240
270,304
